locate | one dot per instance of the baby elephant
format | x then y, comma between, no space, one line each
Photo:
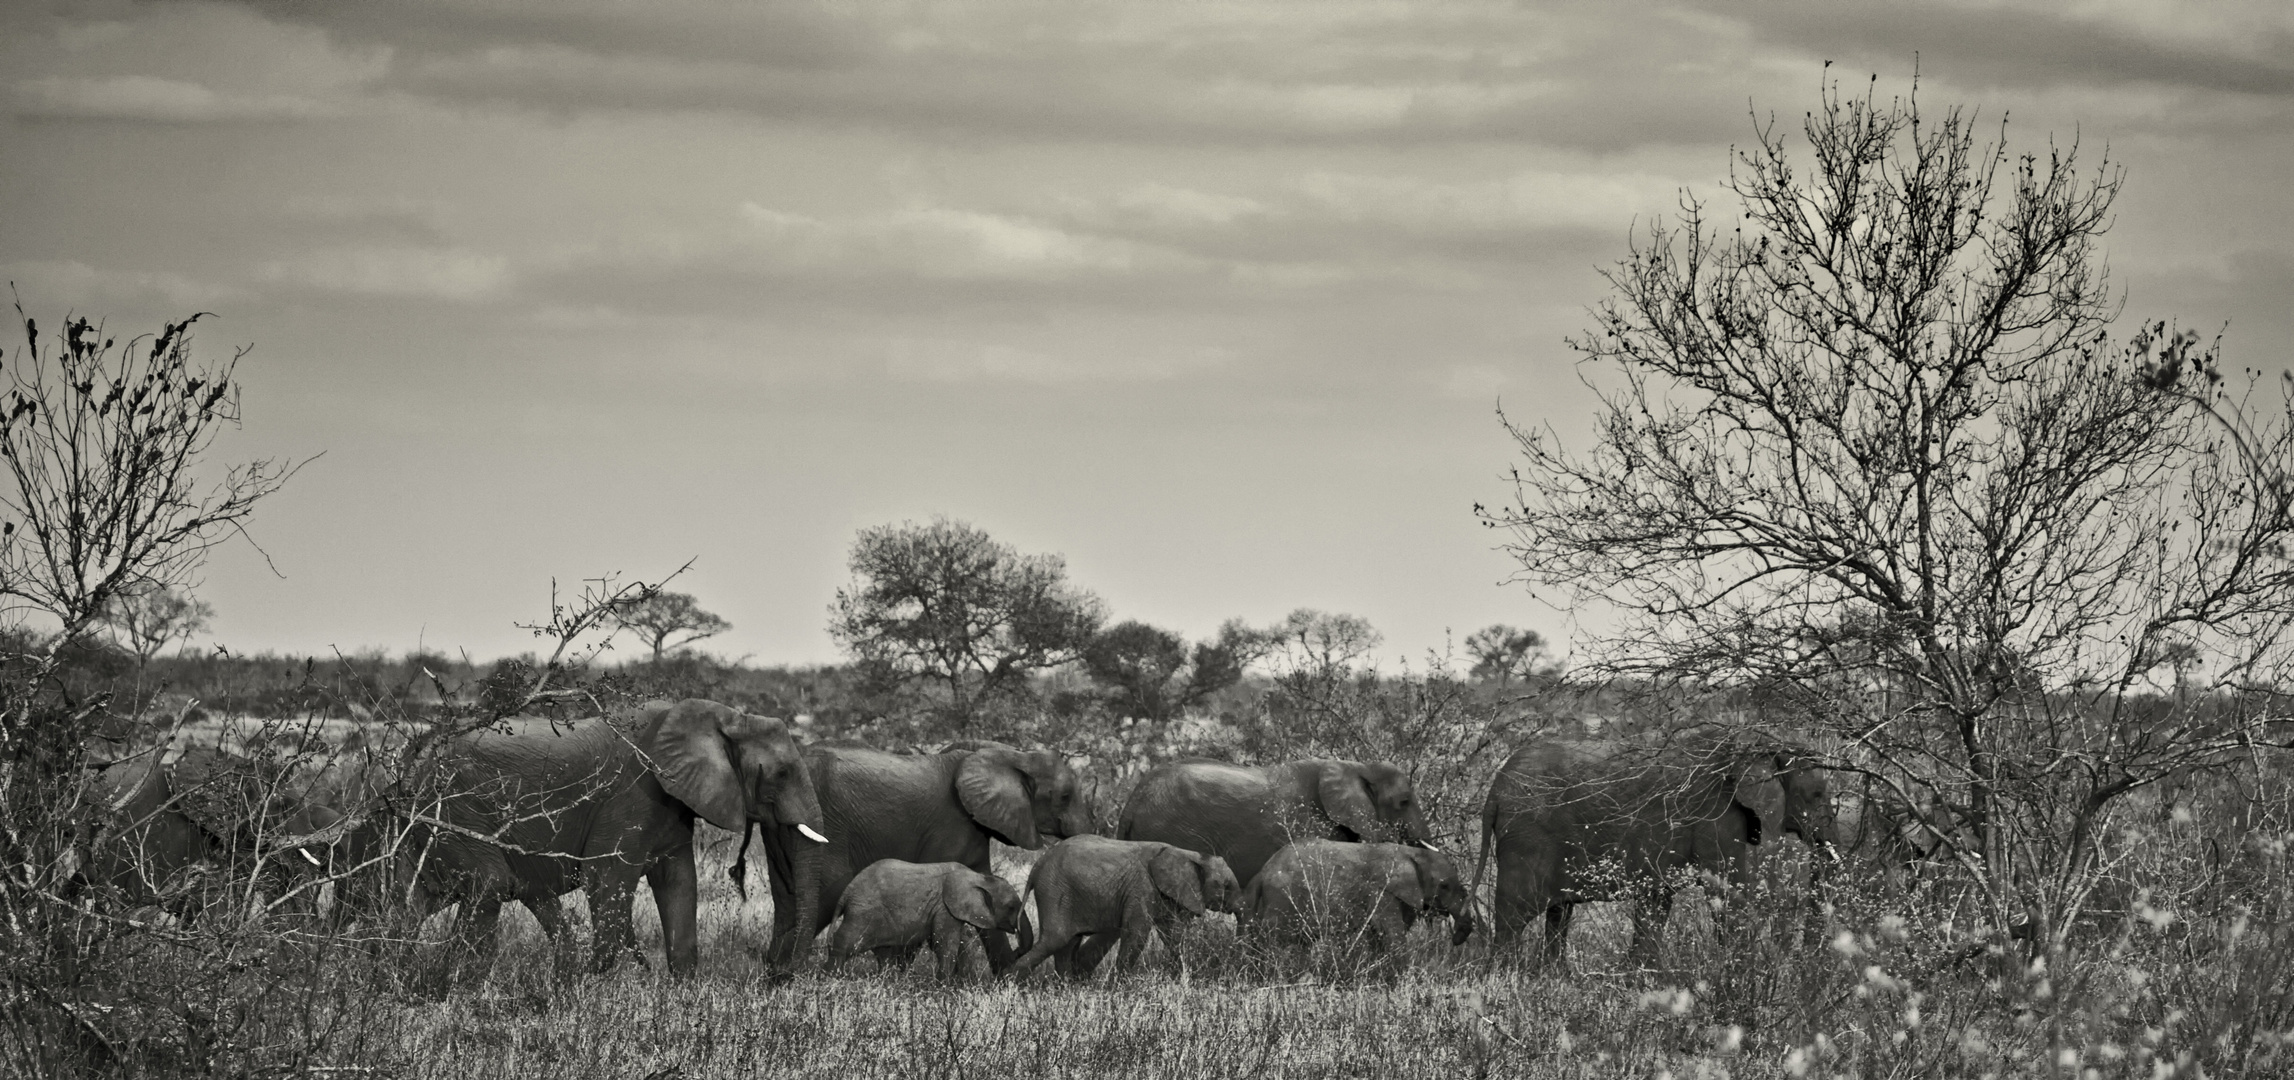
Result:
893,907
1314,888
1089,888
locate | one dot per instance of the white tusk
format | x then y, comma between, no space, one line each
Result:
306,853
812,834
1428,845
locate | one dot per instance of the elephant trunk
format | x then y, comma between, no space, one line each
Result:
1461,926
804,880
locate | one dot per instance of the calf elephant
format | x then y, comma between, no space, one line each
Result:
542,807
1316,889
1573,820
893,907
927,808
1246,813
1090,889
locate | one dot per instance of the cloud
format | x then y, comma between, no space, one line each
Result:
437,273
142,97
2229,48
182,63
79,285
938,242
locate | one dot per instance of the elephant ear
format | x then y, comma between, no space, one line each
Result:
694,762
1346,800
1760,790
1177,876
211,788
967,899
1408,883
994,791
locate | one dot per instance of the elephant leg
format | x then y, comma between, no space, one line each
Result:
675,897
474,937
1557,921
1651,911
612,933
842,944
947,938
1055,940
1390,925
781,953
1512,904
1138,922
1086,952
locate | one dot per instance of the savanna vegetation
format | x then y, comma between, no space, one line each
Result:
1874,482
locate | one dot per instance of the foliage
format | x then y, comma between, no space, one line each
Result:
1870,451
1151,673
949,605
148,616
664,616
1505,654
101,443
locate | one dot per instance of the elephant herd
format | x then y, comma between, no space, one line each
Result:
893,849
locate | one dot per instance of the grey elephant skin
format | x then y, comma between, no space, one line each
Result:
928,808
541,808
1090,891
1574,820
1246,813
893,907
172,814
1316,889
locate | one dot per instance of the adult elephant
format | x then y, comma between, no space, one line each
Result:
926,808
536,808
174,817
1585,819
1246,813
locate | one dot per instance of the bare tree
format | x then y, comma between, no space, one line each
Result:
947,603
664,616
148,616
101,445
1868,448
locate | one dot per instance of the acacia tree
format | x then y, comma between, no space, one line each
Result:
946,603
1151,673
1503,653
1870,449
663,616
148,616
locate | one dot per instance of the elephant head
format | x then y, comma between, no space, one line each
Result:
982,901
735,770
1195,882
1780,792
1435,887
1375,802
1022,796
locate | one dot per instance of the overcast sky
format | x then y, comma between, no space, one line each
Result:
1217,300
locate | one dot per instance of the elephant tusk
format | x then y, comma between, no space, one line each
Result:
1428,845
812,834
306,853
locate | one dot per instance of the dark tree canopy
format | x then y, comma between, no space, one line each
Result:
667,621
1504,654
1867,446
946,603
1151,673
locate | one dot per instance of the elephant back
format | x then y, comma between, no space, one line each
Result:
1232,811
